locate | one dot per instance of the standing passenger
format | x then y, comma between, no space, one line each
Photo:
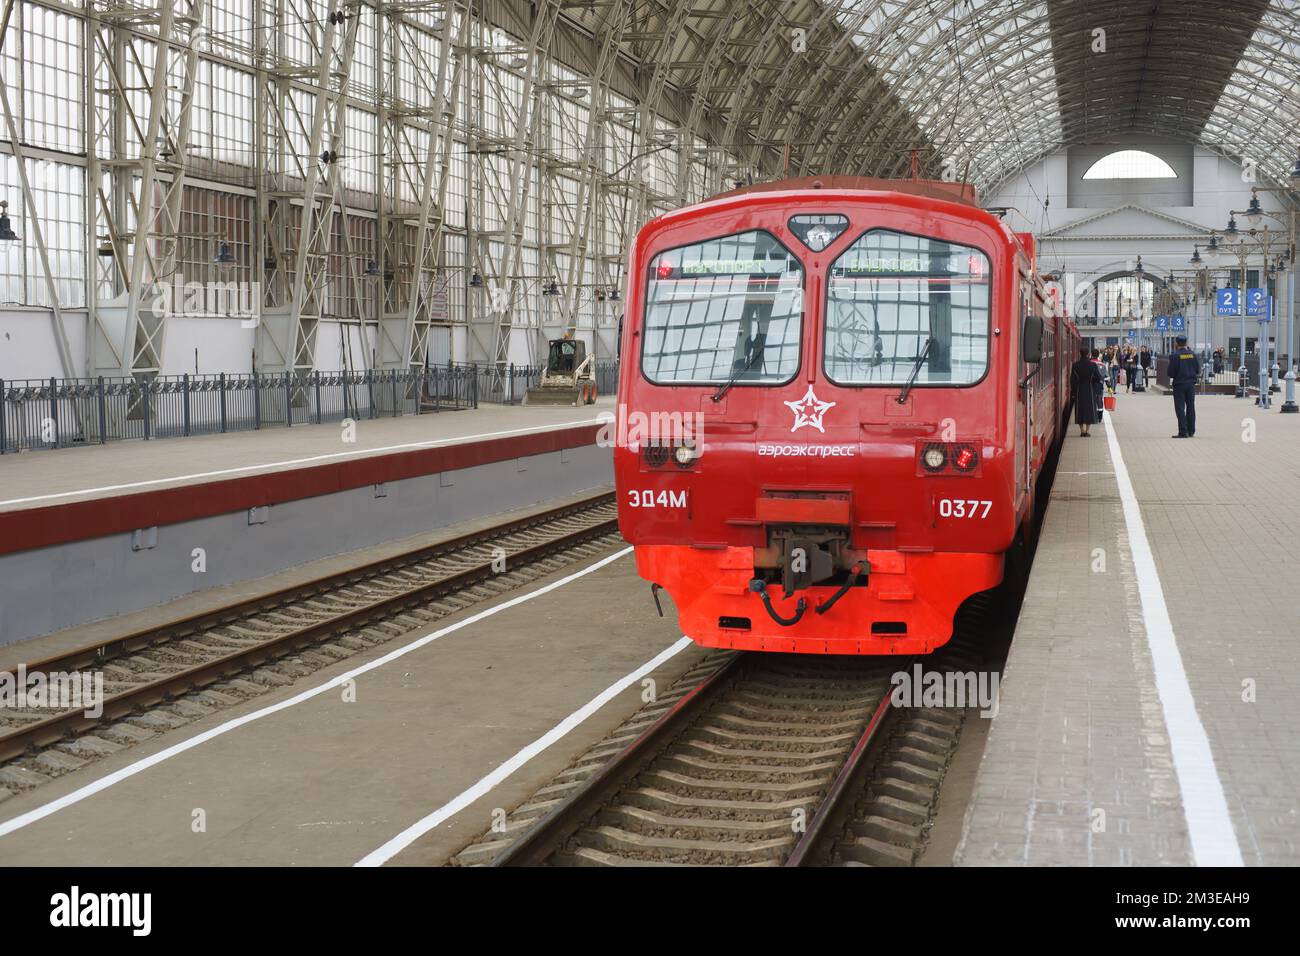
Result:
1099,386
1085,377
1144,363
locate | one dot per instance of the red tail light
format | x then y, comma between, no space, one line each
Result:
656,456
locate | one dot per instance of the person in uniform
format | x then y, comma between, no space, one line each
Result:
1085,376
1184,370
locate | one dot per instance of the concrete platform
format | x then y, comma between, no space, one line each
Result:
41,478
1149,707
91,533
327,782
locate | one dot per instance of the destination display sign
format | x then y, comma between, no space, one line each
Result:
727,267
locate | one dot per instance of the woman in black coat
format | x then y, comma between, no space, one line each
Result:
1099,388
1085,379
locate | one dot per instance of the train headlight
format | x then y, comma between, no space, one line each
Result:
684,455
934,458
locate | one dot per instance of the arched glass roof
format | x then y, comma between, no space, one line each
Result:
976,89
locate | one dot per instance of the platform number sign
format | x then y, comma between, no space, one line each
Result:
1162,323
1178,323
1266,313
1257,302
1227,302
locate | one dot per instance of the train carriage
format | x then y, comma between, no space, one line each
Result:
837,396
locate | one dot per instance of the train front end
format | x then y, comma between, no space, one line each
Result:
818,407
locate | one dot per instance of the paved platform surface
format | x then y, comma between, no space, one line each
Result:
42,478
327,782
1128,736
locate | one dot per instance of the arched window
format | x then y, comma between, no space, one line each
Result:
1123,298
1130,164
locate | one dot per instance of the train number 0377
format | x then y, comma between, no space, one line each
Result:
649,498
964,508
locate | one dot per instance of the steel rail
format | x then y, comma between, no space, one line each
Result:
845,788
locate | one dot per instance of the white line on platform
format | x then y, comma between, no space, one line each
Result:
360,452
485,785
1214,843
117,776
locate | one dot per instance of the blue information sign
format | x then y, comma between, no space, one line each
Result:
1179,323
1227,302
1267,314
1256,302
1162,323
1132,333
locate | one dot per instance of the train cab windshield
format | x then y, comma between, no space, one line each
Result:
727,310
897,301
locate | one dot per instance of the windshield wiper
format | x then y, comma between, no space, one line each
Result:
735,377
916,370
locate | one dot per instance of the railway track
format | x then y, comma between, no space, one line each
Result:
751,760
742,770
162,677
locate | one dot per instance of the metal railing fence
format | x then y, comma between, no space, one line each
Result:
67,412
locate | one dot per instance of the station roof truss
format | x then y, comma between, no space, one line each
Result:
976,89
414,164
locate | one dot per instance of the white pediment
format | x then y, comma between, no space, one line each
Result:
1129,221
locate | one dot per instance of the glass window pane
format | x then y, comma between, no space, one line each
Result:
1130,164
891,292
724,308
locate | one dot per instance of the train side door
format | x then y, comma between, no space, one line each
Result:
1043,388
1027,401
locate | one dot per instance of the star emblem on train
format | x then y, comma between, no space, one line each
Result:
809,411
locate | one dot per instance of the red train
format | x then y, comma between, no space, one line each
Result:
837,395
